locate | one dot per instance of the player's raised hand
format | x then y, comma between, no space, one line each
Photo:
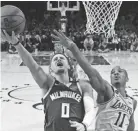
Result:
11,39
77,125
63,40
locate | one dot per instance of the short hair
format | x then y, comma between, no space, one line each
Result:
59,54
122,69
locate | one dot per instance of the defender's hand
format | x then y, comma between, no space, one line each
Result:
11,39
63,40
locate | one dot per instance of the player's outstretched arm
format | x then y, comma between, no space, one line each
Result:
131,126
96,80
37,72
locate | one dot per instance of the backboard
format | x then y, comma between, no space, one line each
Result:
58,5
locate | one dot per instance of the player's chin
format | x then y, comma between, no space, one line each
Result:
116,83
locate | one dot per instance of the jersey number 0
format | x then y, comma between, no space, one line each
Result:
65,109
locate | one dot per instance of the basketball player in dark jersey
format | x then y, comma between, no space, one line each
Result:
68,106
116,108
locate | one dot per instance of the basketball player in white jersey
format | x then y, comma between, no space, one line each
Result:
116,108
68,106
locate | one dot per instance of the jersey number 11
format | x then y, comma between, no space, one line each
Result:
120,116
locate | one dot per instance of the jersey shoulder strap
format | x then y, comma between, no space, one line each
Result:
44,97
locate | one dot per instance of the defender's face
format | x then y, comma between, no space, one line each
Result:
59,64
118,76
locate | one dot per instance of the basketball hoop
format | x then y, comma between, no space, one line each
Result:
63,6
101,16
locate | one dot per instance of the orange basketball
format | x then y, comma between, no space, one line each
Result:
12,19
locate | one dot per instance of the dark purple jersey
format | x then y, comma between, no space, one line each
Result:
62,104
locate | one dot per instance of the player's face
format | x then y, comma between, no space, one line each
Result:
59,64
118,76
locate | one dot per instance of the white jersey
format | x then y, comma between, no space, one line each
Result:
115,114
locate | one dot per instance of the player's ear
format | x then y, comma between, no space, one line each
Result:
127,79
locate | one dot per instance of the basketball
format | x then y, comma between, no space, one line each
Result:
12,19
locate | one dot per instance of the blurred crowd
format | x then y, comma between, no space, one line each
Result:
37,34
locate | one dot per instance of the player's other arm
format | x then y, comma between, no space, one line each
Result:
88,101
37,72
131,126
101,86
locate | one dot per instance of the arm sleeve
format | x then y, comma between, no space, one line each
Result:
90,111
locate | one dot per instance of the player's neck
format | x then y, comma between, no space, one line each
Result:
122,91
63,78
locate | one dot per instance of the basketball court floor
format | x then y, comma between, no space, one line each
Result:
20,97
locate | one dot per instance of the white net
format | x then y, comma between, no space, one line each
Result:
101,16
